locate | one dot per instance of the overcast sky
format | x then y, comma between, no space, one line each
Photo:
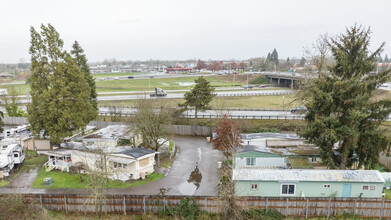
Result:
184,29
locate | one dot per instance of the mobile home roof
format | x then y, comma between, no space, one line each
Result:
308,175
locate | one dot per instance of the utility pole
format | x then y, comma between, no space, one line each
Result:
247,83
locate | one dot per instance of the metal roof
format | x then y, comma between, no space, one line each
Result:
309,175
135,152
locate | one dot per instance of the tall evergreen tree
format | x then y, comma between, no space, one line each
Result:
268,58
302,61
81,61
274,56
199,97
60,94
343,118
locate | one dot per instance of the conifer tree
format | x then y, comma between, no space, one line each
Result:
343,116
81,61
274,56
199,97
60,94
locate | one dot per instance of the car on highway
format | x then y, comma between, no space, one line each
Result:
130,77
116,78
300,110
248,86
384,85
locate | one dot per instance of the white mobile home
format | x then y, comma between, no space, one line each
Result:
123,163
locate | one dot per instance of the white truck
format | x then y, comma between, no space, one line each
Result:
158,92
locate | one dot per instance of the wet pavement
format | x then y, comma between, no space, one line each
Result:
25,179
194,172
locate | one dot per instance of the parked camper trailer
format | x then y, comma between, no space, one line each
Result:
10,156
15,130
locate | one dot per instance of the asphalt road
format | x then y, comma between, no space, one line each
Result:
181,95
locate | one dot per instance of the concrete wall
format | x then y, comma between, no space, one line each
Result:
310,189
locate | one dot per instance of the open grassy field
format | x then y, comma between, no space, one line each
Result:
275,101
67,180
143,84
100,75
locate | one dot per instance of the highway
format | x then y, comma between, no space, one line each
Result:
181,95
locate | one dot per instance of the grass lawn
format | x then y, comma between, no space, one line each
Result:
275,101
101,75
388,193
67,180
143,84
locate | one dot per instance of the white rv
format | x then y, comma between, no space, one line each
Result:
10,155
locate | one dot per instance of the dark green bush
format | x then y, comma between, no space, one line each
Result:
269,214
187,209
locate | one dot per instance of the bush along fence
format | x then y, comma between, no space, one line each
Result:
290,207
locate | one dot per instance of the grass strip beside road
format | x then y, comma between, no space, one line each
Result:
272,101
67,180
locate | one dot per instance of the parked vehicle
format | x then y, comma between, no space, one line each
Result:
158,92
10,155
300,110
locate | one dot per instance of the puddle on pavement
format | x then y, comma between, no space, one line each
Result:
192,184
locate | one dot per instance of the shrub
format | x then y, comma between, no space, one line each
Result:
187,208
13,207
269,214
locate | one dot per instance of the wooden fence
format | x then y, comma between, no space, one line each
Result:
188,130
292,207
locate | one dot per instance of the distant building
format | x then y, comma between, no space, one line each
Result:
178,70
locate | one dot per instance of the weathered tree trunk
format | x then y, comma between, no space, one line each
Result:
342,147
195,121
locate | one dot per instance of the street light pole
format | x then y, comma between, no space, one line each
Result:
149,82
247,83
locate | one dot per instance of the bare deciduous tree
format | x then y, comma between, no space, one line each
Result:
154,124
319,53
227,140
115,112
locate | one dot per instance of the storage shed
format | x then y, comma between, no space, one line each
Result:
308,183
